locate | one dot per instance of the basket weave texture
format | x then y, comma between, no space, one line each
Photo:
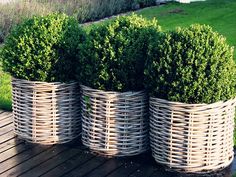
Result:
46,113
193,138
115,124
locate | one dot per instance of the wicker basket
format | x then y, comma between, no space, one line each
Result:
114,124
193,138
46,113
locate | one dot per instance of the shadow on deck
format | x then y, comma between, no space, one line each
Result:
18,158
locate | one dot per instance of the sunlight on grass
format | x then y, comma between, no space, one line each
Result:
220,14
5,91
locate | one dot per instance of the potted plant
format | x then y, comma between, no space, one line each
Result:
191,76
40,56
114,103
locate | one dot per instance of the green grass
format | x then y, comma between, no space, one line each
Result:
5,91
220,14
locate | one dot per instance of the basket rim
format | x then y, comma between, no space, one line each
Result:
112,92
43,82
230,101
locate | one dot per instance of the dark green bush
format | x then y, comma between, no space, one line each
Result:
114,56
43,49
191,65
144,3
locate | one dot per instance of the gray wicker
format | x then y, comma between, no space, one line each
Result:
46,113
193,138
114,124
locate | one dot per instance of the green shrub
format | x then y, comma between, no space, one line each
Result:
191,65
113,57
43,48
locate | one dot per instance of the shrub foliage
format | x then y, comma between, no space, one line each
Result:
43,48
114,56
191,65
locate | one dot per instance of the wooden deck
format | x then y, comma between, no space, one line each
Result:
18,158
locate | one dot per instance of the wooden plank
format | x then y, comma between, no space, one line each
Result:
6,129
106,168
13,152
69,165
51,163
5,122
147,165
4,115
6,137
34,161
9,144
82,170
161,172
125,170
144,170
131,164
14,161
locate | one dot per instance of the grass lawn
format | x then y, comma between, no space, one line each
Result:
220,14
5,91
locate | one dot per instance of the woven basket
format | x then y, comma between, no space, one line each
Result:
114,124
46,113
193,138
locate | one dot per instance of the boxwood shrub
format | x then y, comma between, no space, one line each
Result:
191,65
113,57
43,48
